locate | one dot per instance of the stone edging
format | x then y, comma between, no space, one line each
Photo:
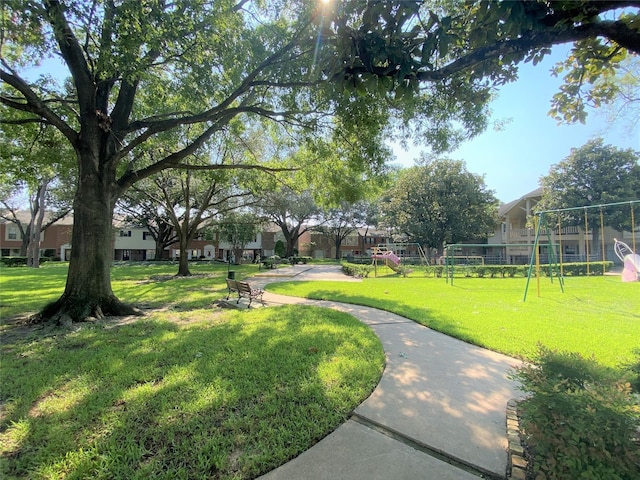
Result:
517,464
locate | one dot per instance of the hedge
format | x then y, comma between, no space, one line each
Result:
356,270
20,261
503,271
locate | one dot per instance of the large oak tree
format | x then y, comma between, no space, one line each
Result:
140,69
441,203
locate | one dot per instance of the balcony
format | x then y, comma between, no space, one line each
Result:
568,233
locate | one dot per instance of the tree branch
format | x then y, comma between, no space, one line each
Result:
71,52
219,166
35,105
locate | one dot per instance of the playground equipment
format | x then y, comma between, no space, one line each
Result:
630,260
540,225
405,251
391,260
450,259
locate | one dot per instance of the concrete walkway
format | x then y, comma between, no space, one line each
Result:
437,413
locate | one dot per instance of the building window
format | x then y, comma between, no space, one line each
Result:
12,233
146,236
125,233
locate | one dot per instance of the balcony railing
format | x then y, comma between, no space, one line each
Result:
519,233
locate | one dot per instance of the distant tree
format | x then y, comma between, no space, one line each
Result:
291,211
238,228
38,177
593,174
441,202
192,200
140,207
340,222
280,249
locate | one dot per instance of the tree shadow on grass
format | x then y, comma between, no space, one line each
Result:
227,400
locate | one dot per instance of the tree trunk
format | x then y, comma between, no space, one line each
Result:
291,238
183,265
338,244
164,237
33,249
88,290
183,261
24,246
159,250
237,254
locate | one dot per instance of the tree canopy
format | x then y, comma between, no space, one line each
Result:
440,203
339,222
593,174
38,168
291,211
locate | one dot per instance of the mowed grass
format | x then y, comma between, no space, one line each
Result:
24,291
595,316
184,392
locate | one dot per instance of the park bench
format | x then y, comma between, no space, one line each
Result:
243,289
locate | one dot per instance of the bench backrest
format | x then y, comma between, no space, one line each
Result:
232,284
243,287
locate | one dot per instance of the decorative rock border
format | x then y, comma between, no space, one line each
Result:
517,463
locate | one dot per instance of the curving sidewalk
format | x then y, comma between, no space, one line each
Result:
437,413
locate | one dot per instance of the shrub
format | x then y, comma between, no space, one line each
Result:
580,268
481,270
280,249
578,419
356,270
404,270
467,271
510,270
298,259
634,370
434,270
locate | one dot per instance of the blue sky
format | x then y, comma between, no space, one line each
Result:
513,159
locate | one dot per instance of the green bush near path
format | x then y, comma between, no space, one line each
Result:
596,316
184,392
578,419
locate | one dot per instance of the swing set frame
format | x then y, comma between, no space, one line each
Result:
555,266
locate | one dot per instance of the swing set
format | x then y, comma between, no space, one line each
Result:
556,267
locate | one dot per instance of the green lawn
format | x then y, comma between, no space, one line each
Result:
597,316
190,391
25,290
186,392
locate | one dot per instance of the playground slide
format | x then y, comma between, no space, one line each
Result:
630,260
390,258
631,271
